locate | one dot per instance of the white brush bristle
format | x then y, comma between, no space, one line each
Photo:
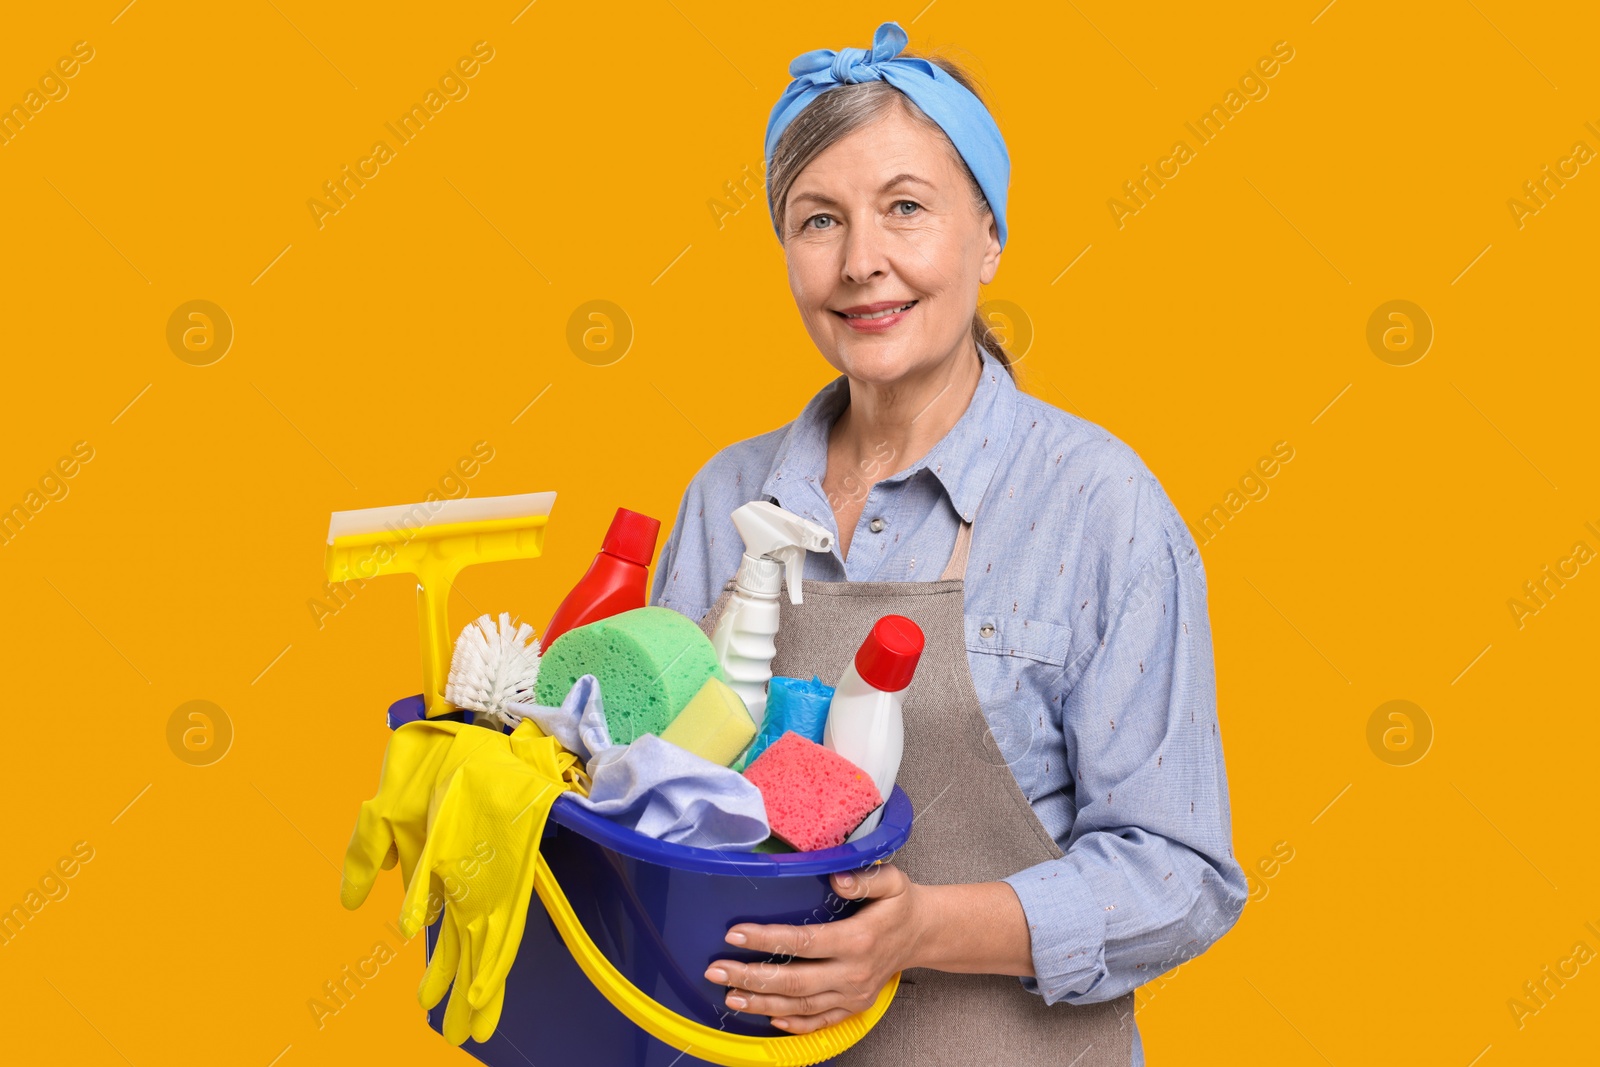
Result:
493,665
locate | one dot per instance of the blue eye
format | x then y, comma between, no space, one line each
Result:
806,225
913,203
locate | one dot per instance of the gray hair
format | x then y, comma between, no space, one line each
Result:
841,111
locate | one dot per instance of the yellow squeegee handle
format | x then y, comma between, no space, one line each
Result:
662,1023
692,1037
435,555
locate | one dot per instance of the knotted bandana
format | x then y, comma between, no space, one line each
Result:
958,112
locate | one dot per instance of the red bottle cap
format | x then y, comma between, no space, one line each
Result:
632,536
888,657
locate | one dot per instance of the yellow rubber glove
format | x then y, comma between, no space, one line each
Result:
392,825
545,755
442,970
484,829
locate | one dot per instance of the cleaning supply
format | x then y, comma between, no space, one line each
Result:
493,664
792,704
714,724
775,544
651,786
434,541
865,722
616,581
392,825
611,1012
814,796
650,661
668,793
635,889
484,826
461,1019
774,845
402,824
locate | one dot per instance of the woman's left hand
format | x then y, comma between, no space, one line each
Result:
841,966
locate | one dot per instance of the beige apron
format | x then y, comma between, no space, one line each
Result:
972,824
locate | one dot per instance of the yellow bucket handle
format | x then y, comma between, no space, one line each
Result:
660,1022
692,1037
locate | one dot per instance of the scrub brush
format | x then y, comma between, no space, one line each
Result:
493,665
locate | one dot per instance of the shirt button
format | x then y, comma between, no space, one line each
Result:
987,629
876,526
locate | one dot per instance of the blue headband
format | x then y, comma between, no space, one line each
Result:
960,114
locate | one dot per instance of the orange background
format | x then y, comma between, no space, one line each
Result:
431,312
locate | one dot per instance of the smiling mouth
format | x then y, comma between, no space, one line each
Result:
885,313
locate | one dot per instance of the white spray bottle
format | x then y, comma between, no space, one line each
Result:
775,544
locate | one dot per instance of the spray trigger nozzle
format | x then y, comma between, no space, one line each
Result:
782,537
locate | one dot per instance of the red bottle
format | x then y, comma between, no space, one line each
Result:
615,582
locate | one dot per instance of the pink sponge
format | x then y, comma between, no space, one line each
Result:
814,796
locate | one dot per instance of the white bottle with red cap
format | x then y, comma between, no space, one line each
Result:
865,722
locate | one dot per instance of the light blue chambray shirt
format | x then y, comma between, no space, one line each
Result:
1089,643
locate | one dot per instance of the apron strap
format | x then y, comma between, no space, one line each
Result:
957,567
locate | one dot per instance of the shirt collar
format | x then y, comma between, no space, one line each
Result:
963,460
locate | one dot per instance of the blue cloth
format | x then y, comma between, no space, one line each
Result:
792,704
1089,643
652,786
946,101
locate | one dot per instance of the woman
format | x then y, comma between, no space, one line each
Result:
1062,748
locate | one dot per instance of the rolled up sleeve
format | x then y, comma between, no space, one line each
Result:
1148,879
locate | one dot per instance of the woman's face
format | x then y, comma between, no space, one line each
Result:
884,218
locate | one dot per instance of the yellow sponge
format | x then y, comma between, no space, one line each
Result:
715,724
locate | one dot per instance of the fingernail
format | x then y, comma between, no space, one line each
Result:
781,1024
736,1001
717,974
736,938
847,880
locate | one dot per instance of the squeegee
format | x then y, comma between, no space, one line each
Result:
434,541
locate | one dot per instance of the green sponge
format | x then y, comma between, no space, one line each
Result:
774,844
650,662
715,724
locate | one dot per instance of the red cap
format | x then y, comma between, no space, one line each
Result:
888,657
632,536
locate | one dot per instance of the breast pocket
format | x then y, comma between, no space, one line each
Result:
1017,664
1011,635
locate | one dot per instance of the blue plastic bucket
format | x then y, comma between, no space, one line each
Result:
658,912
